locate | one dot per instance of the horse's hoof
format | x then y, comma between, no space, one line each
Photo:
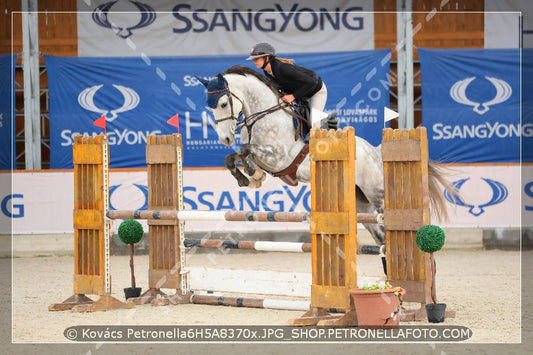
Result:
255,184
243,183
259,175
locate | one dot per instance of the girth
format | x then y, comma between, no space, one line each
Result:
288,175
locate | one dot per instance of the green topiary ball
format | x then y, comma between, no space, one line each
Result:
430,238
130,231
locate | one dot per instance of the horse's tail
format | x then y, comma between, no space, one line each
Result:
437,180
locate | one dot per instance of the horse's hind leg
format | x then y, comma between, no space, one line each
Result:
376,231
364,206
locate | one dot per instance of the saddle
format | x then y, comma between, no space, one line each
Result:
301,114
301,119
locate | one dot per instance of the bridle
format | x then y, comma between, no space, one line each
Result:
230,98
249,121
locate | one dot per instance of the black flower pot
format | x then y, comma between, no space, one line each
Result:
436,312
132,292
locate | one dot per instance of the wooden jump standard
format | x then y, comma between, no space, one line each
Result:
405,163
91,234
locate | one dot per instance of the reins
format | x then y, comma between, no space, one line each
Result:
249,121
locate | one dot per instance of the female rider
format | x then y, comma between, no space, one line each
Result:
296,82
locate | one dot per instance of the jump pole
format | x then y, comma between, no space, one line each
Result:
267,303
270,246
231,216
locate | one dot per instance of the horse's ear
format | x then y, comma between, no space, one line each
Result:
202,80
221,79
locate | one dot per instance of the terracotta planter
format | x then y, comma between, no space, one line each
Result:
375,308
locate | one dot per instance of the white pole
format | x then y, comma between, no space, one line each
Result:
30,62
404,37
202,215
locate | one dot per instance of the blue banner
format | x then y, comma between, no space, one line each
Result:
7,112
138,95
471,105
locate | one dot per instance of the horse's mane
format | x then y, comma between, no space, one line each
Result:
242,70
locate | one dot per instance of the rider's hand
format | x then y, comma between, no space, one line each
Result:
288,98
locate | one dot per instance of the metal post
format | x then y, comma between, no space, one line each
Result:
30,56
404,37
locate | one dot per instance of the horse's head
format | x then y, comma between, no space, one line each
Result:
226,108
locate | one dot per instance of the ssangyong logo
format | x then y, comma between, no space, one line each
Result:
503,93
120,194
499,194
101,15
131,100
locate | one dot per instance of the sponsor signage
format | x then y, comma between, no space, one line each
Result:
472,105
187,27
7,110
138,96
42,202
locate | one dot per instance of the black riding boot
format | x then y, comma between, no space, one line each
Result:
333,122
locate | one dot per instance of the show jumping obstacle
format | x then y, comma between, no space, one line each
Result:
91,235
333,224
405,163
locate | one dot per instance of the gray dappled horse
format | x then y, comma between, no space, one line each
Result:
241,98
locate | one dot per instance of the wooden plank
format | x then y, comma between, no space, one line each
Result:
329,146
163,278
327,296
329,222
87,154
89,284
401,150
403,219
160,154
88,219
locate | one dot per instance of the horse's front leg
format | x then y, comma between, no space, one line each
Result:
256,174
230,161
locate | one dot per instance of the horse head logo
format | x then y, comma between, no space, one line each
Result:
101,17
86,100
499,194
503,92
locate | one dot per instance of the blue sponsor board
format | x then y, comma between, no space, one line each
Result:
527,103
471,105
7,112
138,95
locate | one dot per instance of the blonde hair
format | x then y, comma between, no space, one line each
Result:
285,60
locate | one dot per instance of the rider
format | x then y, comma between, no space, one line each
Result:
296,82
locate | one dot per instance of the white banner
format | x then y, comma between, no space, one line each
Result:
187,27
42,203
502,23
